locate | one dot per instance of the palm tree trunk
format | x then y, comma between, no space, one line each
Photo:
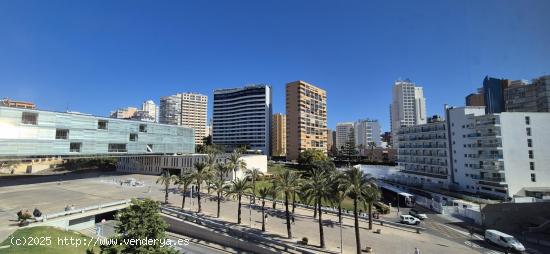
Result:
370,216
166,194
315,210
183,199
287,213
321,233
199,196
274,204
340,212
253,191
263,215
219,197
356,222
293,202
239,211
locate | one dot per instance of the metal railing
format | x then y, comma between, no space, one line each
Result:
85,209
270,243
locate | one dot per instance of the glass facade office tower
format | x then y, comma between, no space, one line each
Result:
26,132
242,117
493,92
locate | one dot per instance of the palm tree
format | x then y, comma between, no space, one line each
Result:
287,182
274,192
166,179
371,194
238,188
236,162
219,187
263,192
254,174
318,187
184,180
339,193
354,182
222,169
200,174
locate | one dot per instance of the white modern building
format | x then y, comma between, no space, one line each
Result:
499,155
344,132
367,133
187,109
242,118
408,105
423,156
179,164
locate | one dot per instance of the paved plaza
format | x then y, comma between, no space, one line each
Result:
54,196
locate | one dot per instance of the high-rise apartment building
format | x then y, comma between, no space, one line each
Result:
523,97
367,133
278,135
187,109
423,156
150,109
489,155
499,155
344,134
408,105
331,141
242,117
476,99
124,113
306,118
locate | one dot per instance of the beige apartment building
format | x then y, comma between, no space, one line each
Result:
193,114
306,118
278,135
187,109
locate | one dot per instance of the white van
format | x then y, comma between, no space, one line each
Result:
408,219
503,240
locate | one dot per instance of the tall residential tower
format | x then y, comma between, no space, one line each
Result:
278,135
187,109
306,118
408,105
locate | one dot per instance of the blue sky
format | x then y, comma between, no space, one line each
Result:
95,56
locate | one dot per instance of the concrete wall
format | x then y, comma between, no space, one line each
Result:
182,227
514,217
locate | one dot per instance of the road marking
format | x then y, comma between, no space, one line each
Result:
463,232
471,244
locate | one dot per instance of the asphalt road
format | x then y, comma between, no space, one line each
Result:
438,225
195,247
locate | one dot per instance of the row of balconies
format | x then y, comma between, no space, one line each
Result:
423,154
422,162
407,145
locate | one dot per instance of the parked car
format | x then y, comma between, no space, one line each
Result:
418,214
407,219
503,240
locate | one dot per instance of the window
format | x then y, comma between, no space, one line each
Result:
532,165
75,147
149,148
117,148
61,134
531,154
102,124
528,131
143,128
527,120
133,137
29,118
533,178
529,142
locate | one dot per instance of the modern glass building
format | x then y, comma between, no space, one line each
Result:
27,132
242,117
